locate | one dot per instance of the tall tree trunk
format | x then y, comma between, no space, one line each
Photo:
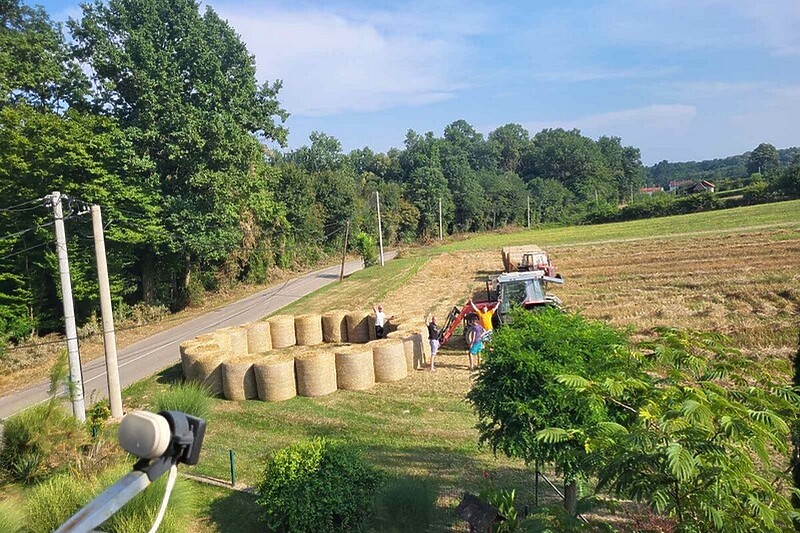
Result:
148,279
571,497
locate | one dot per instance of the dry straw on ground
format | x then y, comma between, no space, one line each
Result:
358,327
389,358
308,329
238,378
282,331
354,367
274,375
334,326
259,339
316,372
208,370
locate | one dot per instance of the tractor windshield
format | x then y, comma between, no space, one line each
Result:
520,292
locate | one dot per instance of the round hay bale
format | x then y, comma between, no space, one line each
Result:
389,359
238,378
274,377
218,337
316,372
208,370
412,345
371,327
281,329
308,329
334,326
191,351
354,367
358,327
258,337
238,339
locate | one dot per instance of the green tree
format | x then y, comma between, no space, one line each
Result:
763,160
512,140
325,153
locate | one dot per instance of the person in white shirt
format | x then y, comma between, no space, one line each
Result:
380,321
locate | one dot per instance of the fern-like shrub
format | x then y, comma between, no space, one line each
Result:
317,486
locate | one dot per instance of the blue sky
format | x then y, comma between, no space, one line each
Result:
680,79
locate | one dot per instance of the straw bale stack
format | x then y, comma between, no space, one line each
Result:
389,359
354,367
208,370
316,372
274,375
236,338
358,327
258,337
281,329
217,337
334,326
238,378
371,327
422,329
512,255
191,351
308,329
412,345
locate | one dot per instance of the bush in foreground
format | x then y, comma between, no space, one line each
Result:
317,486
405,504
53,501
190,397
39,441
11,517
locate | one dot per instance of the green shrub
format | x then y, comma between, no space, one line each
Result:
11,517
405,504
190,397
39,441
365,245
138,515
317,486
54,500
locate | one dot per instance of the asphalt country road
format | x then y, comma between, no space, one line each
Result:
148,356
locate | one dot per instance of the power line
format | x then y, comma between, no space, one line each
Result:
35,246
12,207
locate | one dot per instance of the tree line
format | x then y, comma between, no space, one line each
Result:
151,109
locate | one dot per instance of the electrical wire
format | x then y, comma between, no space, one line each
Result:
35,246
13,207
173,475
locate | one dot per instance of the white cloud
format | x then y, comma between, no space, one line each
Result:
663,118
690,90
333,63
597,73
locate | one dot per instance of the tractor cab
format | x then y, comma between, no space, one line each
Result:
526,289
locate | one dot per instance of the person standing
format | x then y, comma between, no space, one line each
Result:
433,339
485,316
475,338
380,321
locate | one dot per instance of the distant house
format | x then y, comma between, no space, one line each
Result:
651,190
691,187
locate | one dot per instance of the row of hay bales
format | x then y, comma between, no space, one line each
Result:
306,355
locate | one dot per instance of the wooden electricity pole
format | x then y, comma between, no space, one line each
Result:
344,249
380,231
75,371
529,211
109,336
440,218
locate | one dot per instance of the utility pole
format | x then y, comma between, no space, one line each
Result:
380,230
529,211
109,336
75,371
440,218
344,249
596,201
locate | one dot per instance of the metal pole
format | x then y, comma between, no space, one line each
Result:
75,372
109,336
233,469
344,249
440,218
536,484
380,231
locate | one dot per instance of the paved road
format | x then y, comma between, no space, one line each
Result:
152,354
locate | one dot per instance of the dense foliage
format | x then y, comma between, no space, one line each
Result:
683,423
318,486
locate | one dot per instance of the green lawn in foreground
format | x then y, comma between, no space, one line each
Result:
725,220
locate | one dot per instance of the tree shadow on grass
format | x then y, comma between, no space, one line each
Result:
236,512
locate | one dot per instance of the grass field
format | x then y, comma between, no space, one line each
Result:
736,271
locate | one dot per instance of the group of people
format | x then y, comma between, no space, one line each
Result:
479,328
